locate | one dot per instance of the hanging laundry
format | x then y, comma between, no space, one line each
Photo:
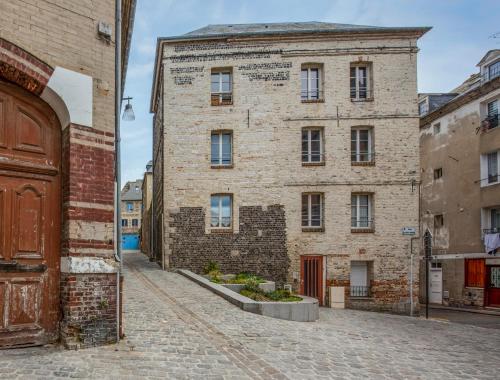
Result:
491,242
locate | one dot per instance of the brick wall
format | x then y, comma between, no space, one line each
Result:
88,304
258,248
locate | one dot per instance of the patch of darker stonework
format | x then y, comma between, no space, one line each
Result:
259,247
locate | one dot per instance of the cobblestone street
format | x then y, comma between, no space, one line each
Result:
177,329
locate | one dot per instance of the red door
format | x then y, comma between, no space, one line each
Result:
311,277
493,286
30,143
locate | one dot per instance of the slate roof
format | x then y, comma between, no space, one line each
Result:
129,192
227,30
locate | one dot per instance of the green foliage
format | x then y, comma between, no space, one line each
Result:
279,295
252,284
242,278
256,296
215,276
283,296
211,266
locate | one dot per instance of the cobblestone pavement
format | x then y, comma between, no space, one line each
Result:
176,329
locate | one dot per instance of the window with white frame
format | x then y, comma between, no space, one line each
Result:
361,144
493,164
310,81
360,81
312,145
423,107
221,148
130,206
221,210
359,281
492,108
495,219
494,70
221,87
312,210
361,211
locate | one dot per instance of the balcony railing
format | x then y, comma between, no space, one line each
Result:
487,231
360,291
489,122
361,94
311,96
362,223
221,98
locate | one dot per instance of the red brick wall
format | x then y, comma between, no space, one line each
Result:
88,304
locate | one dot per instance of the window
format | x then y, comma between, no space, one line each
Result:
312,145
137,189
221,211
359,279
493,109
360,81
495,218
361,145
221,148
361,211
221,87
492,159
438,221
437,128
310,80
494,70
130,206
124,222
423,107
438,173
312,210
135,222
475,273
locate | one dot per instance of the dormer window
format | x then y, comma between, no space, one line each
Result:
494,70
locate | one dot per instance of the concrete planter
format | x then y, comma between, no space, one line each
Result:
306,310
268,286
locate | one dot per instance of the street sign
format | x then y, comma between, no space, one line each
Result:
408,231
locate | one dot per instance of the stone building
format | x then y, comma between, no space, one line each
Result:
460,160
147,194
58,274
290,150
131,214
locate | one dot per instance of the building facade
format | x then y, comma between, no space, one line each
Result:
291,151
58,274
147,194
460,160
131,214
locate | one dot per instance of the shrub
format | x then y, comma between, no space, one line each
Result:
252,284
211,266
283,296
215,276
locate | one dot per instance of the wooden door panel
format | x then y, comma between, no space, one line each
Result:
3,122
24,304
3,303
311,277
30,136
30,204
28,221
3,222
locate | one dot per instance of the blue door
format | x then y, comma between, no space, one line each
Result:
130,241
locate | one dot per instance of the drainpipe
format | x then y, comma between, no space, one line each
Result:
118,104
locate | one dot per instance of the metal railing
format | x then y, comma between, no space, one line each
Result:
312,157
362,156
360,291
362,223
487,231
361,93
489,122
221,98
313,95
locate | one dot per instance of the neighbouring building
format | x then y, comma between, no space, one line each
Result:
58,273
460,160
290,150
131,214
147,194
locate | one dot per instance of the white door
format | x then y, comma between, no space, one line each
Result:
436,285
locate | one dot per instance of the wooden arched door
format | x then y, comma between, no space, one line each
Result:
30,208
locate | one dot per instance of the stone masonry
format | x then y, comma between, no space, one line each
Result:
266,119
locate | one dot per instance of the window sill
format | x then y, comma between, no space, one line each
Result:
221,230
222,166
321,163
490,184
313,229
357,298
362,230
361,100
312,100
362,163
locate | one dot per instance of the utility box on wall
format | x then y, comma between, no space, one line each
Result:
337,297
